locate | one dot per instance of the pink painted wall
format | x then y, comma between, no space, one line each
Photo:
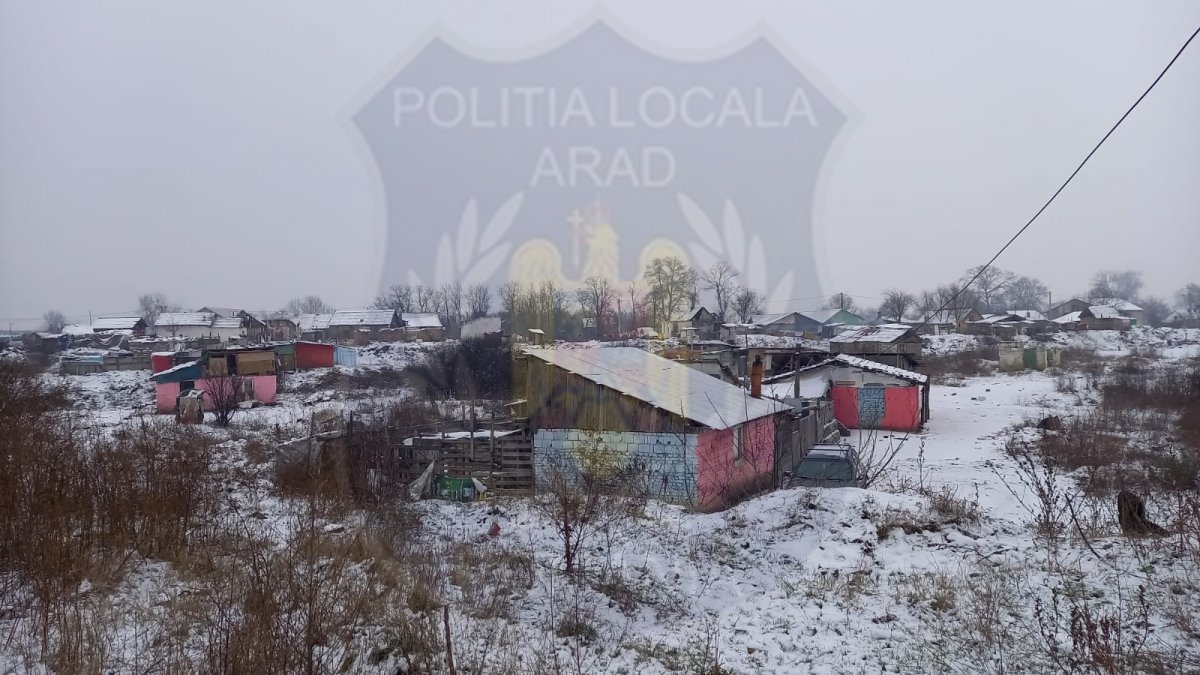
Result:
165,393
724,479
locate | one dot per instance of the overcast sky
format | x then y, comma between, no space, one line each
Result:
207,153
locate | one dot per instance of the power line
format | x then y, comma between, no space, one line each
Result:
1069,178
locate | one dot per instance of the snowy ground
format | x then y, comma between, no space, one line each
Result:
805,580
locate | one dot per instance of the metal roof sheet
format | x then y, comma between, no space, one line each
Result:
226,322
362,317
167,319
116,323
312,322
663,383
888,332
421,320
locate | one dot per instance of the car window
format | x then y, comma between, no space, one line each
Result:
825,468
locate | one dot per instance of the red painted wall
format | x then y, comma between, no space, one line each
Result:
845,405
165,393
160,361
314,355
902,408
723,479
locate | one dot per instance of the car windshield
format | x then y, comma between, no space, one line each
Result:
825,468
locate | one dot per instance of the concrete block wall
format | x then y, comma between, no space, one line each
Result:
665,463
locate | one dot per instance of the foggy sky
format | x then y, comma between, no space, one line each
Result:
206,153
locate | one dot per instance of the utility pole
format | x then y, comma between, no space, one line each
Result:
618,317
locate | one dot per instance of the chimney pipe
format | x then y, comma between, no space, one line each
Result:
756,377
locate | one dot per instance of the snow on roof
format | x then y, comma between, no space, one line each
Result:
1073,317
1028,314
76,329
227,312
226,322
689,315
481,326
876,367
168,319
663,383
813,384
173,369
362,317
116,323
1104,312
821,315
421,320
888,332
312,322
768,319
998,318
1118,304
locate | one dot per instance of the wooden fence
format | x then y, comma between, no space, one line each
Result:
384,460
795,436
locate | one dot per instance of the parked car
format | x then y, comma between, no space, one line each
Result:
828,465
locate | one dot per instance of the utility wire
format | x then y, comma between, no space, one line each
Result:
1066,182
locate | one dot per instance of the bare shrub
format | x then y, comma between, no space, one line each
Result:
967,363
224,396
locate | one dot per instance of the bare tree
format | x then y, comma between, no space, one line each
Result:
597,296
398,297
634,291
55,321
479,300
1189,299
746,303
671,282
309,304
225,393
721,279
959,302
1114,285
1156,310
450,301
989,286
896,304
151,305
425,298
841,301
1027,293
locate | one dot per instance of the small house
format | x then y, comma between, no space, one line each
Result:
280,325
624,412
787,324
865,394
186,325
893,344
313,326
345,324
824,322
251,327
1094,317
695,324
314,355
422,326
133,325
255,370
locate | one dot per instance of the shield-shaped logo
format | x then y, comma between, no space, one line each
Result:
596,156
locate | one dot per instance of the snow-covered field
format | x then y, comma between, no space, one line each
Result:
934,569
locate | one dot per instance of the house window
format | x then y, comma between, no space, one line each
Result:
738,453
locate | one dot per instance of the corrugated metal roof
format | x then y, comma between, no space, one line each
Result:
313,322
226,322
1104,312
116,323
421,320
888,332
824,315
1073,317
168,319
362,317
665,384
1118,304
875,367
768,319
